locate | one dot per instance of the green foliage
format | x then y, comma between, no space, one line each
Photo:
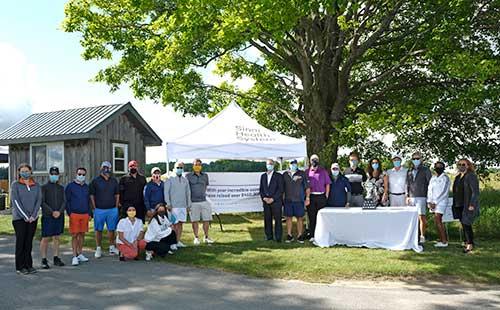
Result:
333,71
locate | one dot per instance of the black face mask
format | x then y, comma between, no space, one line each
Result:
439,170
314,163
133,170
161,213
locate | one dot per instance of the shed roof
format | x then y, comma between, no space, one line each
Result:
81,123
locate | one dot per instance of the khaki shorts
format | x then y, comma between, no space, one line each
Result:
201,211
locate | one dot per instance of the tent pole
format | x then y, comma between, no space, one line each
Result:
167,163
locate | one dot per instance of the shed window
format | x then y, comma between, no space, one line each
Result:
46,155
120,157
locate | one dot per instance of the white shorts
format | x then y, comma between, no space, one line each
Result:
440,208
201,211
397,200
420,203
180,214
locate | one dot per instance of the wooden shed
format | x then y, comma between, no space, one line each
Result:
76,138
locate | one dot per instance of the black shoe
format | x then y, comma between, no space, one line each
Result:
301,238
289,238
269,239
122,258
31,270
278,240
45,264
58,261
22,271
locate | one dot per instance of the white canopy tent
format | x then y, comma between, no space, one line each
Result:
232,134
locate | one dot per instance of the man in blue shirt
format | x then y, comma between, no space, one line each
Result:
79,212
105,200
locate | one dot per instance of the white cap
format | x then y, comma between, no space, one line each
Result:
396,155
106,164
155,169
314,156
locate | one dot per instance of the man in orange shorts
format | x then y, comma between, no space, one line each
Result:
79,212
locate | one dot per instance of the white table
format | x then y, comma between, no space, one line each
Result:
393,228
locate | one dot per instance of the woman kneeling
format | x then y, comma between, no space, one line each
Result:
130,239
160,237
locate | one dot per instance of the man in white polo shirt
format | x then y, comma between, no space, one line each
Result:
395,183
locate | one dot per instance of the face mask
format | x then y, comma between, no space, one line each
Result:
397,163
439,170
269,167
335,173
106,172
462,168
25,175
133,170
314,162
53,178
161,213
179,171
353,163
131,214
197,169
416,162
80,178
293,167
375,166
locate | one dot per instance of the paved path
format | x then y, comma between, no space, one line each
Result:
110,284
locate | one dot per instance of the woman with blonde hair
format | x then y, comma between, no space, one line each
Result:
466,200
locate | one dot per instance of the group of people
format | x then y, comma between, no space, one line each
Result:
122,206
296,192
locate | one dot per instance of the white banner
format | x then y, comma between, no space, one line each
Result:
231,192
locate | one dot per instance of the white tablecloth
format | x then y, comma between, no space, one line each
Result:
393,228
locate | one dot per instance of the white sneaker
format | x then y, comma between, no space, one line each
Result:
311,240
82,258
113,250
98,252
196,241
422,239
149,255
174,247
180,244
208,240
75,261
440,245
170,252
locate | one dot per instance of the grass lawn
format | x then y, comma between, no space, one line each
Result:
241,249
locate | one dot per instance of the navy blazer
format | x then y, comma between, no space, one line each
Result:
274,189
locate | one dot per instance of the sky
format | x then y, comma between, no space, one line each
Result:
41,69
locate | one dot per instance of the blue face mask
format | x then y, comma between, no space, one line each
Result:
335,173
375,166
53,178
25,175
269,167
354,163
397,163
106,171
293,167
416,162
179,171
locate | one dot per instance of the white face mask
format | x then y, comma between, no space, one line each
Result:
80,178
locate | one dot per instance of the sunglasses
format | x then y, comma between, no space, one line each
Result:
416,158
462,165
81,174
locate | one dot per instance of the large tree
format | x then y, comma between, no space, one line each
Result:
334,71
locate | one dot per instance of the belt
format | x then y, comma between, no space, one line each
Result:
356,194
317,193
398,194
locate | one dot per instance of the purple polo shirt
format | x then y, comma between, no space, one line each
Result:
318,179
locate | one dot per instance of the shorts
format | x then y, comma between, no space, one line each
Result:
397,200
294,209
108,216
131,252
440,208
52,226
201,211
420,203
180,214
78,223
